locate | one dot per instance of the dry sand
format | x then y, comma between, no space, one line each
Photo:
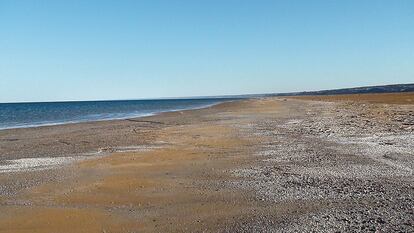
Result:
262,165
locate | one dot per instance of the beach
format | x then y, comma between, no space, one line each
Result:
276,164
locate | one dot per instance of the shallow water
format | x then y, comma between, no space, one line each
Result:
21,115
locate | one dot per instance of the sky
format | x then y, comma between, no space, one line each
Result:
94,50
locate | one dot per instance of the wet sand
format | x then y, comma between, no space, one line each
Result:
261,165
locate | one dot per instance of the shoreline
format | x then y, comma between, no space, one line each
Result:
63,140
36,125
258,165
57,160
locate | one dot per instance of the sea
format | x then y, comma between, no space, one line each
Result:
23,115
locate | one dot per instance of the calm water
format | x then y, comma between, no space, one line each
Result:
18,115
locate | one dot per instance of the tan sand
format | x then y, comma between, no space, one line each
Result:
387,98
184,181
145,191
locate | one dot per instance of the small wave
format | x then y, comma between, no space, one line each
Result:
22,115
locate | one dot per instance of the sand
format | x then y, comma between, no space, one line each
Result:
260,165
387,98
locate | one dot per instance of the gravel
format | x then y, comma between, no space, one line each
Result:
353,161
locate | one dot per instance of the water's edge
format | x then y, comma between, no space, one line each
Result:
127,116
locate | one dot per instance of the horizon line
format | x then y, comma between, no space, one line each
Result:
207,97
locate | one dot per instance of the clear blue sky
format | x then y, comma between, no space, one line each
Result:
81,50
